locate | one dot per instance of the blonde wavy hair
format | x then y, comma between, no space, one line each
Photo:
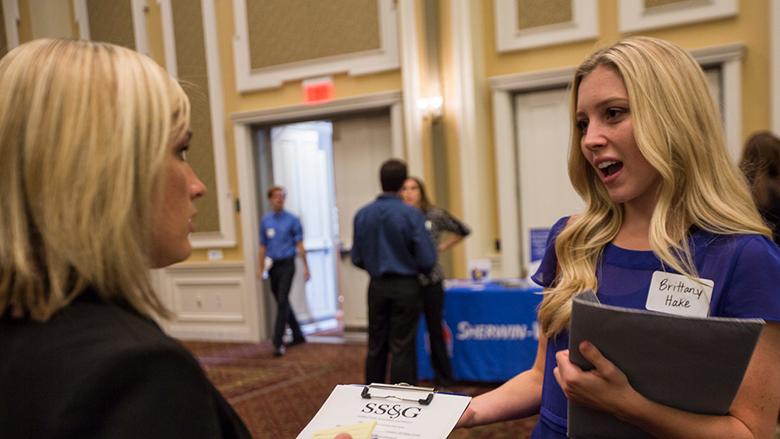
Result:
84,127
678,130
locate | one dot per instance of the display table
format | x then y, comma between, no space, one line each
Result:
491,331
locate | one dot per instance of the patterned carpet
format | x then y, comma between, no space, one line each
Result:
276,397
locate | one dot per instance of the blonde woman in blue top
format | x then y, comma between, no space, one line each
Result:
648,158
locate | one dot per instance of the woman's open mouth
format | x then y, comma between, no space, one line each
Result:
610,167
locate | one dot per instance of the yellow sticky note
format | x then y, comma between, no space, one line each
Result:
357,431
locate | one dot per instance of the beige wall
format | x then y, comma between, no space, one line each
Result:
288,94
750,28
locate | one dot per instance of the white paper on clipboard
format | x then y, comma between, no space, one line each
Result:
399,411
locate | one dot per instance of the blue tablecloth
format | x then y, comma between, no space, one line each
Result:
490,331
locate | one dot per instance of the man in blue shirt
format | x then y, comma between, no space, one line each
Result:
281,235
391,243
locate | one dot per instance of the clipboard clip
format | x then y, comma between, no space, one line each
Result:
365,394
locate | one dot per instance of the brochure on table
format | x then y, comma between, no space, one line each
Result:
399,411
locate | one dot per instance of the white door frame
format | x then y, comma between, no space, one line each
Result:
242,128
503,88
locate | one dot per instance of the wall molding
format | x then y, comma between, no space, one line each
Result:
472,127
584,26
410,74
294,113
633,16
359,63
729,58
11,17
209,301
503,88
139,8
528,81
226,235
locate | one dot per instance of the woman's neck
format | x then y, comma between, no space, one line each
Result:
634,233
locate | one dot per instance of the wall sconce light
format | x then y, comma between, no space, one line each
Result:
430,107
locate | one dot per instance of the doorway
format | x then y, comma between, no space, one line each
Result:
330,169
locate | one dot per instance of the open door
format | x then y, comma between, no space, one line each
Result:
303,164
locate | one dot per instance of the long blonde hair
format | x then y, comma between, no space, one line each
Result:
84,127
678,130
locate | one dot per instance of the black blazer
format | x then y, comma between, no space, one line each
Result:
101,370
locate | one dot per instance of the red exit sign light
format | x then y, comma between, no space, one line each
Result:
317,90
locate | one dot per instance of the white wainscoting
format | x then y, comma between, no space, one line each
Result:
209,302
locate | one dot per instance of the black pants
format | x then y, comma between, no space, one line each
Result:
281,274
394,305
433,304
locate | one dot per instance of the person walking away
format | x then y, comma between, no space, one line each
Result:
281,236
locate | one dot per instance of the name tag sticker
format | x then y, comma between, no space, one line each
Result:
673,293
270,233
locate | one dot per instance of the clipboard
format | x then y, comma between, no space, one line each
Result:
398,410
395,388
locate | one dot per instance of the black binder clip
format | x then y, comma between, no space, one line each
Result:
402,387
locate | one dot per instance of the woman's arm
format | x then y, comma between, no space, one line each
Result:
449,242
445,222
516,398
753,413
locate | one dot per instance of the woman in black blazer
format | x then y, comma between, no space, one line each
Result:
96,189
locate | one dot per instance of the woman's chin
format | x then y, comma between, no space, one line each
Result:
169,258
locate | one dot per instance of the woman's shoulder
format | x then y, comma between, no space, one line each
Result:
739,243
561,224
91,327
748,266
434,211
91,338
730,252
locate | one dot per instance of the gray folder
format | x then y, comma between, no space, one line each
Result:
691,363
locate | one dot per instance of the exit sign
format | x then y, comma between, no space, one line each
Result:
317,90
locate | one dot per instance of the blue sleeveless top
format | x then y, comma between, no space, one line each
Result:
744,268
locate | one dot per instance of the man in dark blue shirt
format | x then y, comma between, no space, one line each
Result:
391,243
281,235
